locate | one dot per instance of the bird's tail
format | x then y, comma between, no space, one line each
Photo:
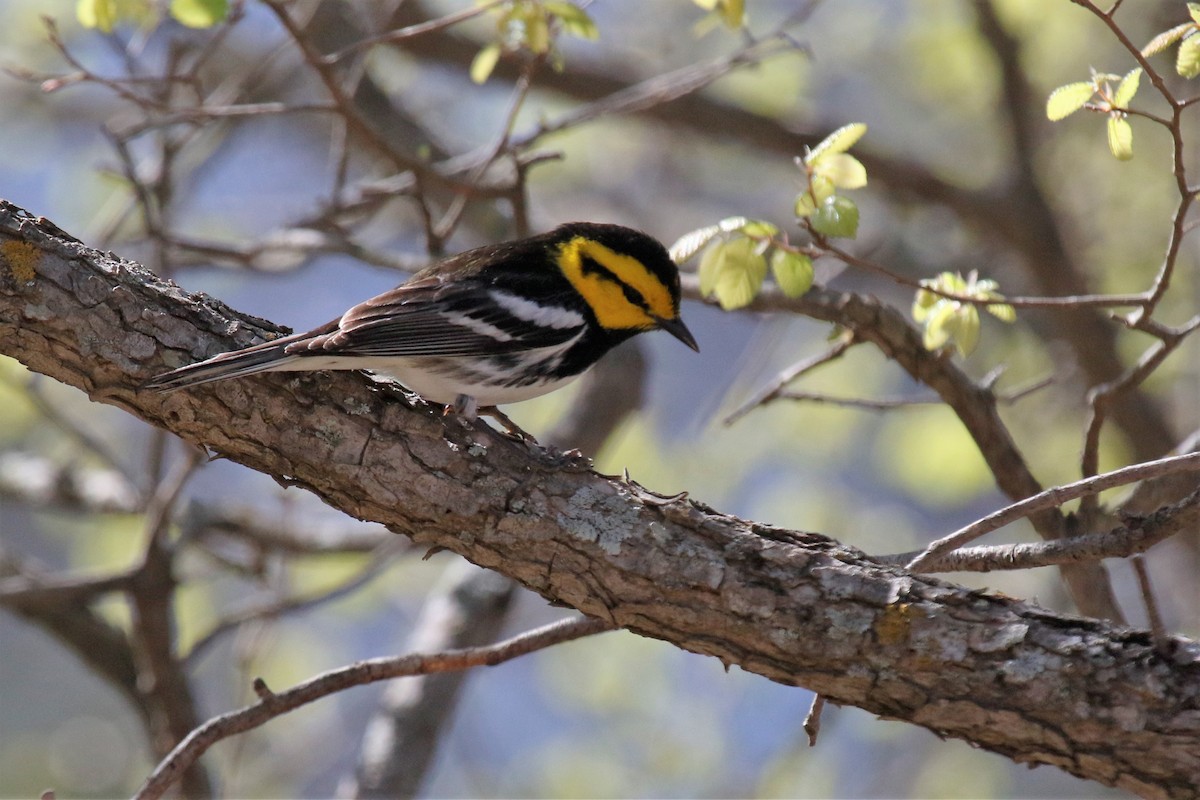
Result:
252,360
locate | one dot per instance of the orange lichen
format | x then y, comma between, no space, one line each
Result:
894,626
21,258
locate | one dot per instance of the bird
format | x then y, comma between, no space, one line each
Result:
495,325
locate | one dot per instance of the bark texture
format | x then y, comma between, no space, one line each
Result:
1095,699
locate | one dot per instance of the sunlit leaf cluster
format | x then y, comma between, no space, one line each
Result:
1187,58
735,263
1098,94
829,169
740,251
948,321
531,26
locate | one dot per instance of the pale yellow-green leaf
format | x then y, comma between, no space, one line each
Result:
733,12
964,329
1167,38
707,5
1003,311
839,141
1194,10
842,170
537,33
1066,100
740,274
199,13
100,14
1120,137
1187,60
923,303
821,188
1127,88
805,205
937,326
759,229
793,272
689,244
711,264
484,62
573,19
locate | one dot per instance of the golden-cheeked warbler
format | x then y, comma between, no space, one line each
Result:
494,325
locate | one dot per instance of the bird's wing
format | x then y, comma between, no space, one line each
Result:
432,317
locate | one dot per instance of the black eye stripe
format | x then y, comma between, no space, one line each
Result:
590,266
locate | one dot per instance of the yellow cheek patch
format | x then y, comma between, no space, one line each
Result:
607,297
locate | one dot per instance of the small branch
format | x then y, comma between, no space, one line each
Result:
1079,301
391,37
1157,628
1052,498
894,403
1101,397
773,390
379,562
1137,536
274,704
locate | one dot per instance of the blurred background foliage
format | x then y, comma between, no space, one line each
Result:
616,715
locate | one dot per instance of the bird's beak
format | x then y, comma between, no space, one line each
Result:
676,328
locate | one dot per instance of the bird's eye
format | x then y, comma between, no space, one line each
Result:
633,296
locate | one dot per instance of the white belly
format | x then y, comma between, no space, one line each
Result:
438,380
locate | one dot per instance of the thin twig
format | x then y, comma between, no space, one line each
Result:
1157,629
775,387
1138,535
1052,498
409,32
274,704
379,561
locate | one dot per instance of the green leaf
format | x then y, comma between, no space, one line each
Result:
537,33
1003,311
1127,88
710,267
1120,137
843,171
1168,38
937,326
740,275
733,12
101,14
805,205
923,304
689,244
964,326
839,141
793,272
821,188
760,229
836,217
1187,60
484,62
199,13
1066,100
1194,10
574,19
